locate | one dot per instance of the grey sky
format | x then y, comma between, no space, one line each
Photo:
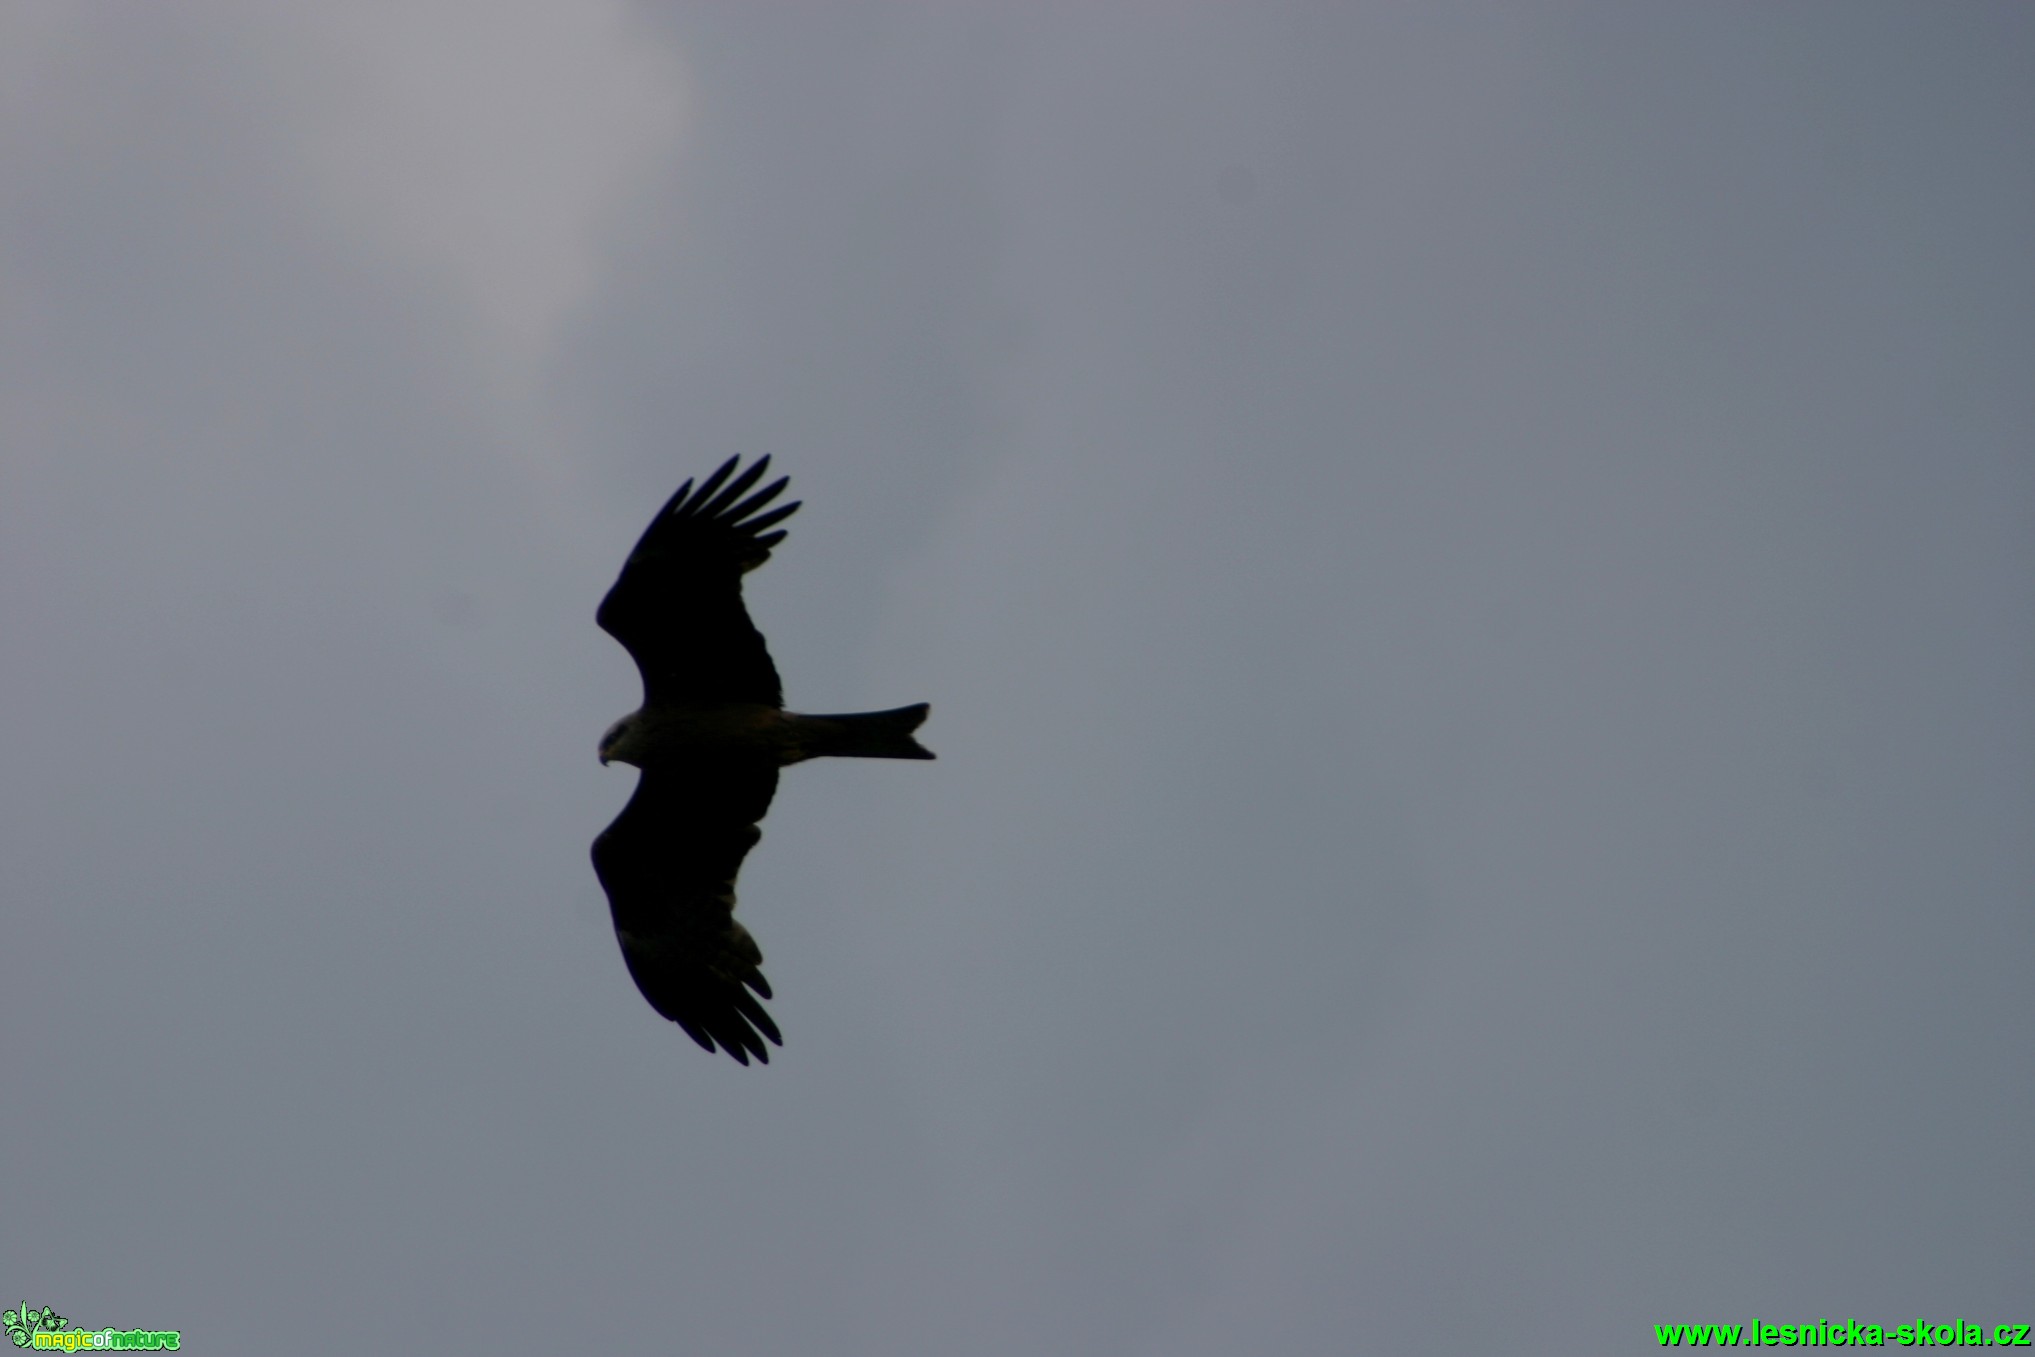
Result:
1472,564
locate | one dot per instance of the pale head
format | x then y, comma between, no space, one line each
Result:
612,746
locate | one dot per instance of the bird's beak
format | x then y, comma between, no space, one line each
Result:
604,760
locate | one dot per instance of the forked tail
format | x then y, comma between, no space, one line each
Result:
866,734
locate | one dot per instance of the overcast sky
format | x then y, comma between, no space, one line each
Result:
1474,567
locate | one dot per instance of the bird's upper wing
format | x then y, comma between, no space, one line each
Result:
677,606
668,864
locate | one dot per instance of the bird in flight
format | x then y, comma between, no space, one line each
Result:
709,738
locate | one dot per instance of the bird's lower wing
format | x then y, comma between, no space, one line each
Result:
668,864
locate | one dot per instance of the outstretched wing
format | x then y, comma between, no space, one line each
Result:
668,864
677,606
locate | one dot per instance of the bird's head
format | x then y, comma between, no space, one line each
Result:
611,743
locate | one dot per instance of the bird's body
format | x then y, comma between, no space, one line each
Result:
709,738
648,737
655,736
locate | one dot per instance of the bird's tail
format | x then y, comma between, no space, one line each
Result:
866,734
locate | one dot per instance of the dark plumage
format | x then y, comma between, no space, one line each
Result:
709,738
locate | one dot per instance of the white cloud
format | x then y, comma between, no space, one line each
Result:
486,146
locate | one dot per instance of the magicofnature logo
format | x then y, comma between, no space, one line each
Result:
45,1328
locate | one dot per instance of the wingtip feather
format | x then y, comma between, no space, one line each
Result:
734,491
778,515
758,1019
739,515
710,485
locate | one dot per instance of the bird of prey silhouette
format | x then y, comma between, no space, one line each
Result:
709,738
